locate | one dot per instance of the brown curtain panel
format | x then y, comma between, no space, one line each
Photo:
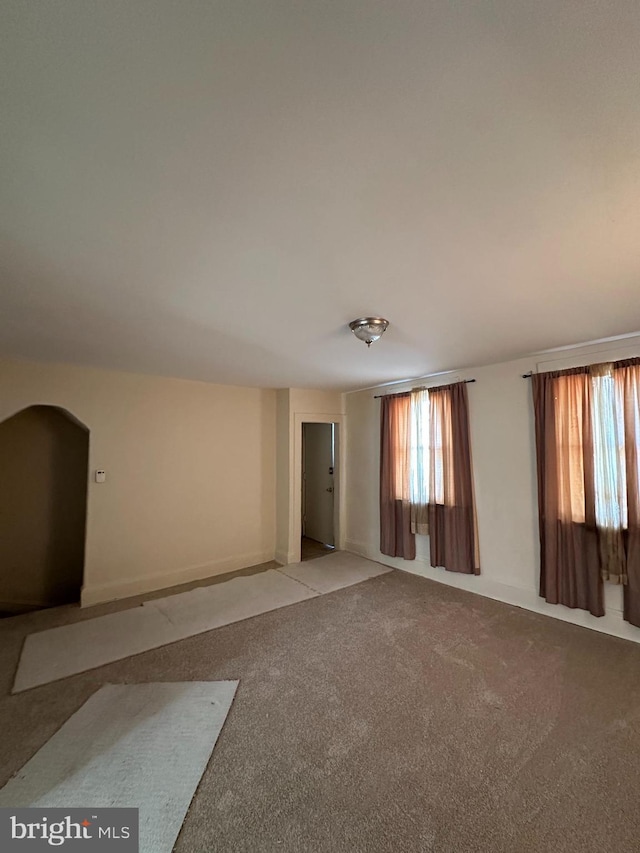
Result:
453,537
396,538
569,550
627,384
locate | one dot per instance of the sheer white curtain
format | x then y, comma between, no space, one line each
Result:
420,444
610,481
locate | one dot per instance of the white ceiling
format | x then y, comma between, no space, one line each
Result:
214,189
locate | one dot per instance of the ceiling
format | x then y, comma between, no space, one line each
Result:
214,189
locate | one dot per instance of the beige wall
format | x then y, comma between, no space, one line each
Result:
190,488
305,401
43,497
502,438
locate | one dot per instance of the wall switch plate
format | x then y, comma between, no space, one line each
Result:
101,476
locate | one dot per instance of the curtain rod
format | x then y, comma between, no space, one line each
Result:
587,367
433,388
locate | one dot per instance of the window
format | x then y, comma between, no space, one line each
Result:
431,442
590,426
610,480
426,482
588,451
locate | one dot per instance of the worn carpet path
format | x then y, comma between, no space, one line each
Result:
395,715
59,652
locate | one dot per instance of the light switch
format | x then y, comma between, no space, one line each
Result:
101,476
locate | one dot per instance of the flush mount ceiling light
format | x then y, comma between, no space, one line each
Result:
368,329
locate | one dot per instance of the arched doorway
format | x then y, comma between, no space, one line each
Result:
44,458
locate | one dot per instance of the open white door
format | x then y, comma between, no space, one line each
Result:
318,461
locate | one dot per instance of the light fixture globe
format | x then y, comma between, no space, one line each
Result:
368,329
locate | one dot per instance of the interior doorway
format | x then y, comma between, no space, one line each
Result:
318,489
44,459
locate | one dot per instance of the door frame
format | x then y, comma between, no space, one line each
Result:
339,505
304,492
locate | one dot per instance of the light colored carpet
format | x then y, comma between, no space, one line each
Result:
210,607
60,652
139,746
64,651
332,572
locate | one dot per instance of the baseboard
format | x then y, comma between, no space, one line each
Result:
360,548
24,606
285,558
612,623
115,590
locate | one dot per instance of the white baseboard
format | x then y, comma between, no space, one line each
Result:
359,548
611,623
115,590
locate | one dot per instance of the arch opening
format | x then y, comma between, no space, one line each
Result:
44,460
